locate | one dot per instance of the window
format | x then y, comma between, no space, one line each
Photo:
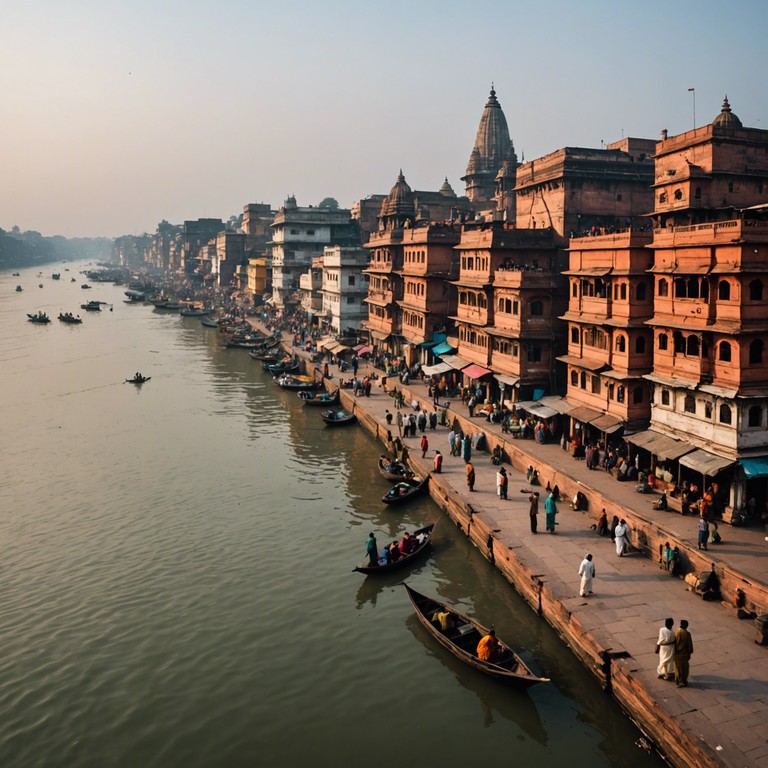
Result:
692,346
689,404
637,394
534,353
618,197
662,341
623,292
756,290
756,352
678,195
515,350
665,397
350,299
707,410
620,394
640,345
574,288
537,308
515,307
697,193
679,342
620,343
574,334
725,352
724,290
596,385
574,379
583,380
663,197
640,292
730,189
663,288
725,414
351,280
755,416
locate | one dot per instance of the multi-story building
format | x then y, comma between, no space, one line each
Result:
195,234
710,321
298,236
344,288
230,256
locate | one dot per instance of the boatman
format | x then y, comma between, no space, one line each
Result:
488,648
373,550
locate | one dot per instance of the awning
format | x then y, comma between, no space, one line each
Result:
326,343
536,409
607,423
583,414
428,344
379,335
362,349
755,467
456,362
589,271
436,370
476,371
443,348
705,462
662,446
556,403
509,381
582,362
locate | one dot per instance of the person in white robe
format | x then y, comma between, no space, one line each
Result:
666,644
587,573
620,534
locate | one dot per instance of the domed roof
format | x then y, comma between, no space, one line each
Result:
726,118
399,200
492,142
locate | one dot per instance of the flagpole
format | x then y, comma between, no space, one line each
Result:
693,91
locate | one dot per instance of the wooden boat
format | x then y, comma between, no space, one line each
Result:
405,490
338,418
284,366
461,640
393,470
40,317
19,289
324,398
85,285
138,380
193,312
135,297
208,323
56,276
91,306
288,381
423,535
68,317
249,344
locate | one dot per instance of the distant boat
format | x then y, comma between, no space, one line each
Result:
19,289
40,317
138,380
84,285
56,276
208,323
193,312
68,317
91,306
334,418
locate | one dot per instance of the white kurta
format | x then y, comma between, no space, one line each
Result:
620,532
587,573
666,652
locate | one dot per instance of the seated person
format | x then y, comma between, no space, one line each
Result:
662,502
443,618
394,552
489,647
407,544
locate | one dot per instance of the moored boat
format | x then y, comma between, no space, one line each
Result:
190,312
40,317
461,637
85,285
56,276
405,490
289,381
284,366
423,537
393,470
335,418
207,322
68,317
324,398
91,306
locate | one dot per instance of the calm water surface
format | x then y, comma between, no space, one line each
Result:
176,572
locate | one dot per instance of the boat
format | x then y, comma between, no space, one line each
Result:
189,312
405,490
335,418
284,366
208,323
393,470
56,276
289,381
16,274
85,285
249,344
423,536
138,380
68,317
91,306
72,280
135,297
19,289
40,317
324,398
462,637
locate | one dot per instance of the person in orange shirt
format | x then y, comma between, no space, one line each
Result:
489,647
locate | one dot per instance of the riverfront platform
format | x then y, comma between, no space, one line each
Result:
721,719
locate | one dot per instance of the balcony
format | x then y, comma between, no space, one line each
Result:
539,280
311,282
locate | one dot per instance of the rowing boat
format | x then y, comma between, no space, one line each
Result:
423,536
405,490
462,636
393,470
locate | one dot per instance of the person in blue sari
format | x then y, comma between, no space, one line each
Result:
550,508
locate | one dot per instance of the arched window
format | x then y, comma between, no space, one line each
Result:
620,343
756,290
574,334
623,291
537,308
662,341
640,292
692,347
663,288
689,404
724,290
725,414
725,352
620,394
679,342
678,195
640,345
756,351
680,288
583,380
665,397
693,288
637,394
574,378
755,416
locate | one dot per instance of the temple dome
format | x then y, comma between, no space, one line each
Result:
492,142
726,118
399,200
447,189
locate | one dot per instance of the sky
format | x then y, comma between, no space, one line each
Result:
117,114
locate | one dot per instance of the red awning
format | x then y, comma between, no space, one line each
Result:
475,371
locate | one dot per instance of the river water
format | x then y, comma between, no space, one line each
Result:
176,572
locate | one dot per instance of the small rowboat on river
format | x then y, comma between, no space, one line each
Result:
40,317
423,538
462,636
288,381
325,398
393,470
338,418
405,490
138,380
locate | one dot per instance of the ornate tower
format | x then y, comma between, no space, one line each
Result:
492,149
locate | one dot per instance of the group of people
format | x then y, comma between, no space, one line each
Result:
617,529
675,650
408,424
392,552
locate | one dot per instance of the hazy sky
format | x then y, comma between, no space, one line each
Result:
119,113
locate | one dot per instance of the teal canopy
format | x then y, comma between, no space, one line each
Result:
443,349
755,467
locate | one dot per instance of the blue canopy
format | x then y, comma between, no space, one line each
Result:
755,467
443,349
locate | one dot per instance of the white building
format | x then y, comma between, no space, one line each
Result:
345,287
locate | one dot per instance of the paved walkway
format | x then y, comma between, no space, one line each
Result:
725,707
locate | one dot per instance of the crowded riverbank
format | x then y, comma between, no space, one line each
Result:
716,720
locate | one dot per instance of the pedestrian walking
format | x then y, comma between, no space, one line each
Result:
399,420
471,406
550,509
452,442
587,573
703,530
424,446
470,476
533,511
433,420
438,462
620,537
422,420
665,647
683,653
466,448
502,481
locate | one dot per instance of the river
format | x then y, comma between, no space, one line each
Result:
177,585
